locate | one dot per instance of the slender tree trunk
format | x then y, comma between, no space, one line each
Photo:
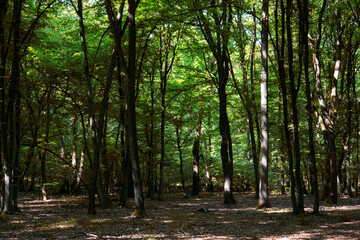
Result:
226,147
162,139
79,172
95,164
178,130
16,171
207,157
313,169
196,155
130,100
16,71
349,84
3,129
219,48
29,158
125,166
8,125
357,154
254,109
294,94
96,128
105,161
43,156
264,201
74,160
151,160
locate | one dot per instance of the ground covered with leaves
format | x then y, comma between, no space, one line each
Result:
203,217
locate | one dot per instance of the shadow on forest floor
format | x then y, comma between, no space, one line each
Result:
180,218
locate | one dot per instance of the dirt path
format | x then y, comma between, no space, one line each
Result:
179,218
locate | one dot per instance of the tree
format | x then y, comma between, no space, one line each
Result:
304,31
167,57
196,155
96,126
294,90
282,78
264,201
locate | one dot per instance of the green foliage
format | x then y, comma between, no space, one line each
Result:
52,62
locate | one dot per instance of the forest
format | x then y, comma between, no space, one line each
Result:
179,119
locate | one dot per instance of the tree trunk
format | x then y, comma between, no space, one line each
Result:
74,160
349,84
43,154
219,48
226,148
207,157
196,156
96,128
16,170
125,166
177,129
304,31
8,125
79,172
130,100
162,139
42,157
3,129
264,201
95,163
294,93
150,137
105,161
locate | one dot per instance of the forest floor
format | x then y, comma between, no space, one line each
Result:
179,218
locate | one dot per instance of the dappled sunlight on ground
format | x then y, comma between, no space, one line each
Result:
182,218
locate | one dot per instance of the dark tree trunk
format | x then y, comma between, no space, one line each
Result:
226,146
304,16
208,162
16,171
95,163
150,137
130,100
8,125
3,127
219,48
177,129
162,138
166,63
350,82
264,201
96,128
105,161
196,156
74,159
294,93
254,109
125,166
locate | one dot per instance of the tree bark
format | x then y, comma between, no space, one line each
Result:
97,128
162,137
304,31
294,93
178,130
264,201
150,142
196,155
207,157
219,50
130,100
3,125
74,159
